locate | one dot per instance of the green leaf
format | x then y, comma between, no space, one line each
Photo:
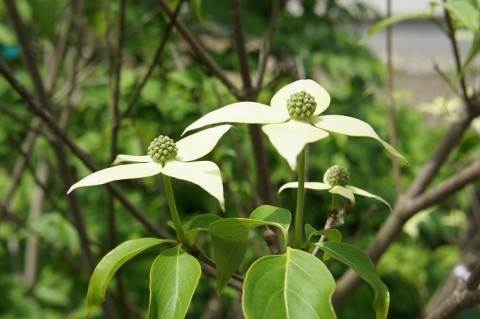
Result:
230,238
111,262
198,224
230,241
174,277
358,261
474,51
277,215
465,12
44,12
397,19
291,285
331,234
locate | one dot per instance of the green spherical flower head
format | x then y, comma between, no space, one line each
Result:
337,176
162,149
301,105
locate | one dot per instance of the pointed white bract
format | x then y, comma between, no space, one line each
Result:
347,191
203,173
290,136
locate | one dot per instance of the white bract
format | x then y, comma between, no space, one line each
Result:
290,133
205,174
346,191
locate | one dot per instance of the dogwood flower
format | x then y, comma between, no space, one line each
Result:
293,119
174,159
336,180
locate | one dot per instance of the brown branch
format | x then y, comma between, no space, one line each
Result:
431,168
391,104
460,298
267,45
158,54
468,175
474,279
406,207
242,55
27,53
456,54
198,49
61,48
51,123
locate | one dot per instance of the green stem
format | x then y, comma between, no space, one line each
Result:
297,241
173,208
334,203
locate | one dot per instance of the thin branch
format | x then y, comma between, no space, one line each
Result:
391,104
35,211
51,123
405,208
267,45
240,46
198,49
61,48
158,54
460,298
438,158
456,54
474,279
27,52
448,187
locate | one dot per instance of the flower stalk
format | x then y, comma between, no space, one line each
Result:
173,207
297,240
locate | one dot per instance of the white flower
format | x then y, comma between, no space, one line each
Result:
335,181
182,166
291,127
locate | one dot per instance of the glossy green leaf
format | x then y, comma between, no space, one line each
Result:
358,261
385,23
464,12
199,224
291,285
44,12
111,262
230,238
174,277
474,51
276,215
331,234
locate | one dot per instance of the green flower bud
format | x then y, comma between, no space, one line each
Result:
162,149
301,105
337,175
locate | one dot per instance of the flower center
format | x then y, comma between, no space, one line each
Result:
162,149
301,105
337,176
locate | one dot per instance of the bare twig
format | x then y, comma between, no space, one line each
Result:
35,211
405,208
460,298
391,104
198,49
456,54
52,124
158,54
240,46
438,158
61,48
267,45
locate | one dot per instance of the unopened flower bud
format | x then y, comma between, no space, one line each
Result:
162,149
301,105
337,176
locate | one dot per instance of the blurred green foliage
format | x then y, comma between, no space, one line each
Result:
323,45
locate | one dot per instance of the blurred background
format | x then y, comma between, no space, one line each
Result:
83,81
